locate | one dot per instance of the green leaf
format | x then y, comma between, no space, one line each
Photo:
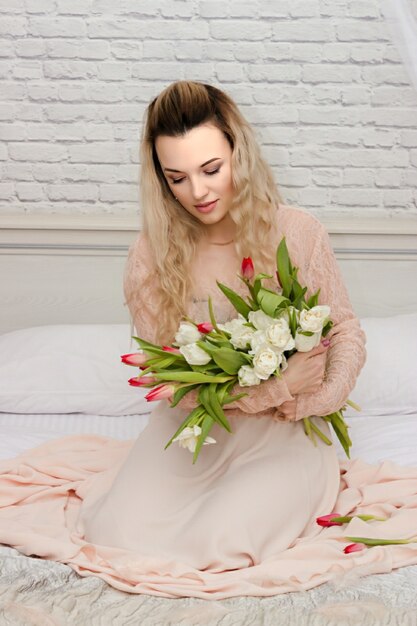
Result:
190,377
341,432
181,392
217,408
208,398
292,321
320,434
230,399
229,360
271,302
205,429
212,317
197,412
149,347
284,268
313,300
299,298
369,541
204,398
239,303
327,327
258,284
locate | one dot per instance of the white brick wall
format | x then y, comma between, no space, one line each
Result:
320,80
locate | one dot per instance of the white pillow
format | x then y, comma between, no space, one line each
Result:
76,368
387,383
72,368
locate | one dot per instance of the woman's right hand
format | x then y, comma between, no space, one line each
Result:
305,371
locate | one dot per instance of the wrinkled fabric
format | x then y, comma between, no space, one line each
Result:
241,520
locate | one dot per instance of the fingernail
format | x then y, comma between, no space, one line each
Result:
325,342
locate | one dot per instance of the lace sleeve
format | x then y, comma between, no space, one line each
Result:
138,292
346,354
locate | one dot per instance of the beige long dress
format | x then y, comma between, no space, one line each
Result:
241,520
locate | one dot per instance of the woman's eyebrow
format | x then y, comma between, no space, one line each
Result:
169,169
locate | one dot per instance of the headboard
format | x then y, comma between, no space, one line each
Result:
68,269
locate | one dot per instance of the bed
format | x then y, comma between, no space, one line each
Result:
43,396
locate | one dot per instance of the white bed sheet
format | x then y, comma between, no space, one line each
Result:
375,438
19,432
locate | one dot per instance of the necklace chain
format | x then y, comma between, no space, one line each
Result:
223,243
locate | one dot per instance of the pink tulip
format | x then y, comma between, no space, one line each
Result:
354,547
170,349
160,392
140,381
248,271
327,520
137,359
205,327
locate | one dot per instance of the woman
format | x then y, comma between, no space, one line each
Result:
209,199
241,520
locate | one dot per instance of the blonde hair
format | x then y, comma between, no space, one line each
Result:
171,231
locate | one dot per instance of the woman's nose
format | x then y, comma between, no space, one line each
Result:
199,189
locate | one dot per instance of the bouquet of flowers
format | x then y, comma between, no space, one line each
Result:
211,357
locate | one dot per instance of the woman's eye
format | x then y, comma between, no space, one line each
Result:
213,171
175,181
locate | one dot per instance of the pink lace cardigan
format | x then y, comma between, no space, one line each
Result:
310,250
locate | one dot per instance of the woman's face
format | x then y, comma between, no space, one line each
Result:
197,167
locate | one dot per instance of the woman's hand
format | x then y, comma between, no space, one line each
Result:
305,371
286,411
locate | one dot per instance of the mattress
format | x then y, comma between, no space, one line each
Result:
375,438
41,590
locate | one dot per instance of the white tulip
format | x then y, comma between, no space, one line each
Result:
285,313
279,334
260,320
194,355
265,362
247,376
241,337
304,343
187,333
188,438
258,340
315,318
233,325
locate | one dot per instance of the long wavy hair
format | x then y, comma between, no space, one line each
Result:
171,231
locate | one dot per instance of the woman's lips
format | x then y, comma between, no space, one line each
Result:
206,208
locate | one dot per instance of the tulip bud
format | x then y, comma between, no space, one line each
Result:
248,271
327,520
160,392
205,327
137,359
170,349
354,547
140,381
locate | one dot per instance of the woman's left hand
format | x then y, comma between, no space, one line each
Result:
285,412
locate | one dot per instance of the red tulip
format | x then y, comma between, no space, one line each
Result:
160,392
354,547
205,327
327,520
248,271
140,381
170,349
137,359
